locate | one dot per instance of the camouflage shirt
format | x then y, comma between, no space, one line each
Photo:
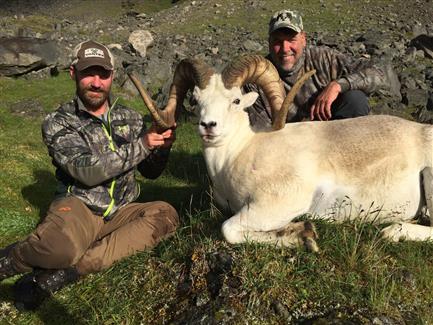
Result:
96,160
330,65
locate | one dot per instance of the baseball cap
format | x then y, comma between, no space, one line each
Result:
91,53
286,19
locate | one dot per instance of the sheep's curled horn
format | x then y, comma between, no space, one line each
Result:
280,120
258,70
246,69
188,73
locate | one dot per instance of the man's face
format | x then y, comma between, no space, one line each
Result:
93,85
286,47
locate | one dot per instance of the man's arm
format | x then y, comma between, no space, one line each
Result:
73,154
160,144
358,74
321,107
153,166
346,73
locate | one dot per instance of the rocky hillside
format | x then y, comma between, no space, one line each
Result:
152,36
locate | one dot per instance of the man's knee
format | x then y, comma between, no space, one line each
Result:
52,251
61,239
352,103
161,218
358,100
64,256
170,214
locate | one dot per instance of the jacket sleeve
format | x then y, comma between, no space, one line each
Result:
154,164
351,73
75,155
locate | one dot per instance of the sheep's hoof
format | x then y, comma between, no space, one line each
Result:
393,233
309,236
311,245
297,234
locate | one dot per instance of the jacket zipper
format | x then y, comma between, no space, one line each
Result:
112,148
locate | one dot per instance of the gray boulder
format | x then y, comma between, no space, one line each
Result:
424,43
140,40
415,97
430,101
20,55
252,46
425,114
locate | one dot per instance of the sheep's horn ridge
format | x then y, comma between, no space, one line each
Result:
189,73
256,69
280,119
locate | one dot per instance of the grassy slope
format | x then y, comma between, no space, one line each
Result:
354,270
333,14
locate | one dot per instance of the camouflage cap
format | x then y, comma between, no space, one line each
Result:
286,19
91,53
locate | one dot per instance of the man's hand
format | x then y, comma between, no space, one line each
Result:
153,140
321,109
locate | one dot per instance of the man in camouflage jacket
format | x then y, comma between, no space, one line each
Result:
96,146
337,90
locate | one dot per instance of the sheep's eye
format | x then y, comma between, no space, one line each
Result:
237,101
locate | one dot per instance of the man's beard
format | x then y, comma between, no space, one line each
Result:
92,102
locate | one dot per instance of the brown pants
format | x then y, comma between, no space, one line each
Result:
71,235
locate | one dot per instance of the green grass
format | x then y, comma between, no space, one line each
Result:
23,159
334,14
114,9
37,23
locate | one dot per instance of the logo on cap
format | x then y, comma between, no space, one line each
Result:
286,19
93,53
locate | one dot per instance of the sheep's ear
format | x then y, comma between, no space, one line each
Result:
196,93
249,98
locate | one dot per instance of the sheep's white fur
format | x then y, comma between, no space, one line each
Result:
374,167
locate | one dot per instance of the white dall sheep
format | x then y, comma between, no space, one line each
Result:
334,170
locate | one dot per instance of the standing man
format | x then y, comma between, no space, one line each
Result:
338,89
96,146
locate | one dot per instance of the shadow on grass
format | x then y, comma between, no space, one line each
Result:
188,167
41,192
192,195
51,312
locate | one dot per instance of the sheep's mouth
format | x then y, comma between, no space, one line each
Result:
208,137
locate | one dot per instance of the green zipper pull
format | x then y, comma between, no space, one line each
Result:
112,148
110,139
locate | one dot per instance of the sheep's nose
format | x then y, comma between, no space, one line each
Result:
208,125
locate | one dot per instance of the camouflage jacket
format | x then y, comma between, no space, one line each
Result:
95,160
330,65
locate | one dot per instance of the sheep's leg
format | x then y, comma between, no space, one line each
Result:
408,231
427,174
266,226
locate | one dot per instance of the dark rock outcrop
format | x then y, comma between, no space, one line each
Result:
20,55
